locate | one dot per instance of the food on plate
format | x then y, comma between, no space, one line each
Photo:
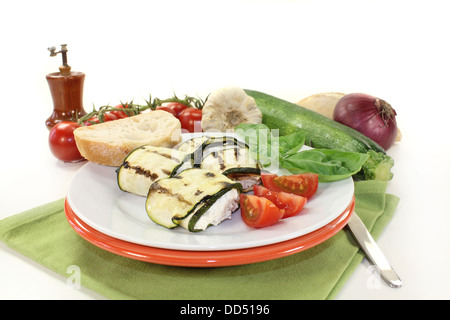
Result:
194,199
224,154
235,163
286,152
280,197
291,204
303,184
330,165
109,143
192,144
322,132
232,160
269,149
145,165
373,117
322,103
259,212
226,108
62,142
200,182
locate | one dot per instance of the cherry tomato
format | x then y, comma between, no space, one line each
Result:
175,107
94,120
290,203
120,114
259,212
190,119
165,108
62,142
110,116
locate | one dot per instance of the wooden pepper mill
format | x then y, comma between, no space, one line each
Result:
66,88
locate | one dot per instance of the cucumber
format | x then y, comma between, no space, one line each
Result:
321,132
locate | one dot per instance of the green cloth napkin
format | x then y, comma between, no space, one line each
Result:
44,235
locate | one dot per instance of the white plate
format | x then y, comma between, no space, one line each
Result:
96,199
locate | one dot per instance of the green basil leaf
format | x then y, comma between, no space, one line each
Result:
330,165
291,144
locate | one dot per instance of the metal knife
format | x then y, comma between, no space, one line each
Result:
372,251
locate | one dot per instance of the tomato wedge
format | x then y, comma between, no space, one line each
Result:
303,184
259,212
267,181
291,204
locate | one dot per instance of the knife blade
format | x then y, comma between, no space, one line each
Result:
372,251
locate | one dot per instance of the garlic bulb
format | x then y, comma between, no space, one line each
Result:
227,107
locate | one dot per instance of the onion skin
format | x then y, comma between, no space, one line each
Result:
373,117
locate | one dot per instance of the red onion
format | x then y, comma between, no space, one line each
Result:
369,115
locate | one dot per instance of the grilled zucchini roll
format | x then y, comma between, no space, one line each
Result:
190,145
193,153
194,199
236,163
145,165
198,148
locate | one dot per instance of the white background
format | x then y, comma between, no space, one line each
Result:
396,50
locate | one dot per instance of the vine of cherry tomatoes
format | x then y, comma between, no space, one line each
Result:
190,117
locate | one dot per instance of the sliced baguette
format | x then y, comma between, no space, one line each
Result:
110,142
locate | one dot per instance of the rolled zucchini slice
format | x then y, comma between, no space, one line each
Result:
190,145
145,165
188,199
236,163
212,211
198,148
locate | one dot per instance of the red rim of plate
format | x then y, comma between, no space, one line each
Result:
207,258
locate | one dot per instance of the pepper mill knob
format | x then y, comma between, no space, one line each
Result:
65,68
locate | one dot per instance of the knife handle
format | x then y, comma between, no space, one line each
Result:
372,251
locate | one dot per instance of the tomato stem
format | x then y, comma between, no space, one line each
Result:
132,109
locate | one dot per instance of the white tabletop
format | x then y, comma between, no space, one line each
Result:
396,50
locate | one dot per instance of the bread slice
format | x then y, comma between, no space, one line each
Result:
110,142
